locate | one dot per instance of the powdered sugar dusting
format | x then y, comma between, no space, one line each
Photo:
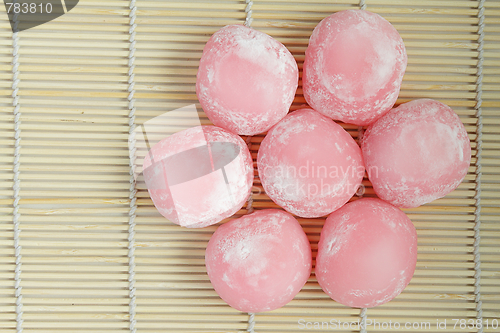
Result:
246,80
421,150
300,142
366,253
340,235
366,91
248,253
202,208
260,261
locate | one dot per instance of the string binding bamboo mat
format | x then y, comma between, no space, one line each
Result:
84,250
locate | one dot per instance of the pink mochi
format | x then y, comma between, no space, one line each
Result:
367,253
246,80
199,176
309,165
260,261
416,153
354,67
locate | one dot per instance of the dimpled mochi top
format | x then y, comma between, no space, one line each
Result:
246,80
354,67
199,176
416,153
260,261
367,253
309,165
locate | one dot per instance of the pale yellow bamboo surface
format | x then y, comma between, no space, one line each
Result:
74,169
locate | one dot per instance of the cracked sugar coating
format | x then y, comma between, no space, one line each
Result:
309,165
246,80
260,261
367,253
199,176
416,153
354,67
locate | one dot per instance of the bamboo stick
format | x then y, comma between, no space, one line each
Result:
170,5
416,86
80,103
392,19
88,269
435,94
425,3
436,78
262,6
192,317
156,4
77,193
82,324
75,259
11,328
90,243
194,30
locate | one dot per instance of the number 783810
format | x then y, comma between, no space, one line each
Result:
25,8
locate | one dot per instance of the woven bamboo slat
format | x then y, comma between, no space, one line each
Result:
74,198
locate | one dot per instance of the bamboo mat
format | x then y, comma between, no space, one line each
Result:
82,251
